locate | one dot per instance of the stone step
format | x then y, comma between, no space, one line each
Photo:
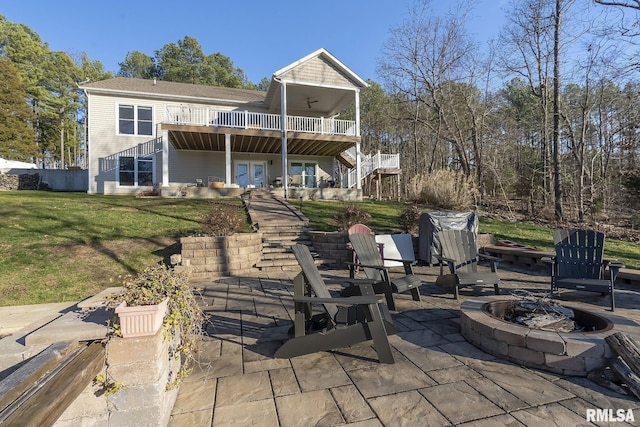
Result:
277,263
293,225
283,232
274,250
285,243
278,255
283,236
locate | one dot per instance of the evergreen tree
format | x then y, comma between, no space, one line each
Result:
17,137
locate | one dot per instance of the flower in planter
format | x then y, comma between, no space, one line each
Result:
182,316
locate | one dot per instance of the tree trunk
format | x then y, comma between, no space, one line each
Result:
557,188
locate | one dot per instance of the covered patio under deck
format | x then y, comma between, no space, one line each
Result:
240,133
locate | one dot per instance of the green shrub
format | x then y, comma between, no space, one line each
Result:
350,215
410,218
223,219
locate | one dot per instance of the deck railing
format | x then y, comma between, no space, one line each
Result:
369,164
243,119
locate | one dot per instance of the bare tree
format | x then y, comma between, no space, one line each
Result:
632,4
557,187
527,52
430,61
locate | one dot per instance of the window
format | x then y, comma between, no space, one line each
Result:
307,172
135,171
135,120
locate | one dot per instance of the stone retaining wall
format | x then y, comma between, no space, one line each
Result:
332,247
210,256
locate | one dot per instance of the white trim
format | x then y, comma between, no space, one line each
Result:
227,158
165,158
319,85
357,111
283,124
163,96
358,166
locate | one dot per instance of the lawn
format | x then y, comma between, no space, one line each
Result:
385,214
69,246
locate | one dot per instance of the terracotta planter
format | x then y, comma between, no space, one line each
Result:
216,184
141,320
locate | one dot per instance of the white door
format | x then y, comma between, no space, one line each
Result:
251,174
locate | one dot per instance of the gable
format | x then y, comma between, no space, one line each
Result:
320,71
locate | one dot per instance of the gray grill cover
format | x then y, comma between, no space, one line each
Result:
432,222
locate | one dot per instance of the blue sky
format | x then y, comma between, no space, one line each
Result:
260,37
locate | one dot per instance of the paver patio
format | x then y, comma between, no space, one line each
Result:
438,378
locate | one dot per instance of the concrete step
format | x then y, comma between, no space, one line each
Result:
98,300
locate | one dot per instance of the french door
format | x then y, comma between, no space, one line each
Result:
251,174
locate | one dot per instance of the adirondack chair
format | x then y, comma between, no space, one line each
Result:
459,251
345,321
579,264
366,248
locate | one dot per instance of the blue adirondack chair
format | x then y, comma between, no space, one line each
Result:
579,263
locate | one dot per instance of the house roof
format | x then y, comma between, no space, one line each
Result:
318,82
164,89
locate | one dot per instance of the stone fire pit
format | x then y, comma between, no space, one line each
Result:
567,353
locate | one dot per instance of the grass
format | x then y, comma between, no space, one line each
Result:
68,246
384,219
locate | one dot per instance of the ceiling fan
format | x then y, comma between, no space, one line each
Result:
309,102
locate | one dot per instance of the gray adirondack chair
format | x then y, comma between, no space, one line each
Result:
460,252
579,263
369,259
345,321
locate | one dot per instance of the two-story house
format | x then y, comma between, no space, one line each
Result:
206,141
